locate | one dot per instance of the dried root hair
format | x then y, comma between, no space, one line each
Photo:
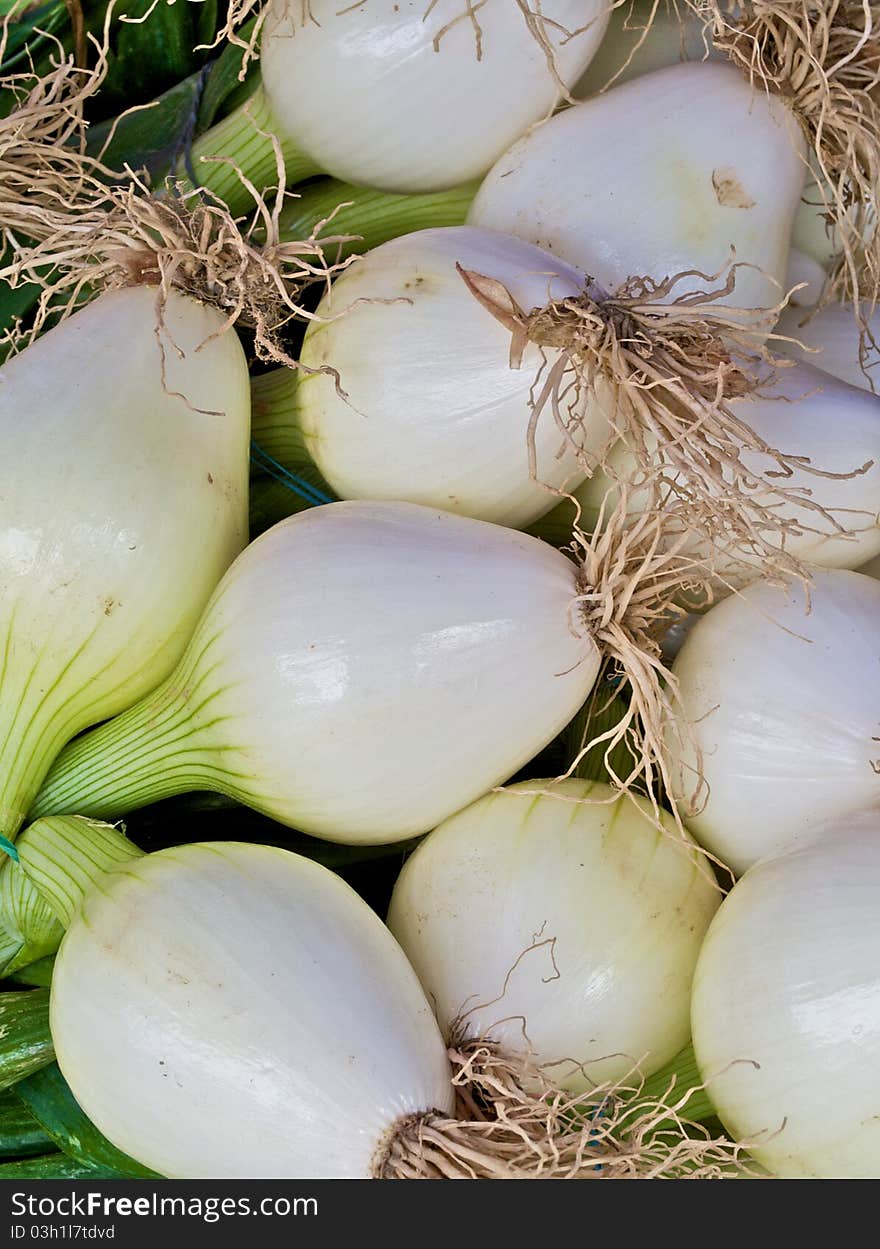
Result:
512,1122
822,58
664,369
76,228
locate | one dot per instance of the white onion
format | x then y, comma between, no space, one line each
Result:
364,90
836,428
227,1010
833,342
124,501
807,274
566,926
786,1007
664,174
434,413
363,670
783,705
627,51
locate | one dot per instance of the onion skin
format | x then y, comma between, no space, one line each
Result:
318,74
364,670
784,709
829,339
786,1006
127,505
433,413
229,1057
563,922
703,165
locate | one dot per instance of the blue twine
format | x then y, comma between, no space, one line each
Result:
6,844
599,1114
311,494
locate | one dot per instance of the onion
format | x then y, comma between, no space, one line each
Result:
127,504
363,670
208,968
829,435
496,69
660,176
833,340
786,1006
783,708
558,920
223,954
369,217
432,411
821,59
644,35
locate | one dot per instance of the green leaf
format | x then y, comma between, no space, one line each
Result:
49,1099
153,51
153,137
602,712
14,303
222,85
20,1134
38,973
30,32
25,1040
56,1167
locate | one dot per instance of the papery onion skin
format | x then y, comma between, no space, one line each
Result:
783,706
564,923
271,1026
436,115
670,172
363,670
432,411
127,503
786,1006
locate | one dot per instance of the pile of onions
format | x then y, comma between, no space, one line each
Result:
353,1083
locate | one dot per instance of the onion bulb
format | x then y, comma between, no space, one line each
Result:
833,343
432,412
786,1006
783,708
222,954
670,172
642,36
362,671
128,501
563,923
828,433
448,89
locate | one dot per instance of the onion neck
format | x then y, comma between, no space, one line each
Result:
371,216
30,738
161,747
275,423
243,141
29,928
64,857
